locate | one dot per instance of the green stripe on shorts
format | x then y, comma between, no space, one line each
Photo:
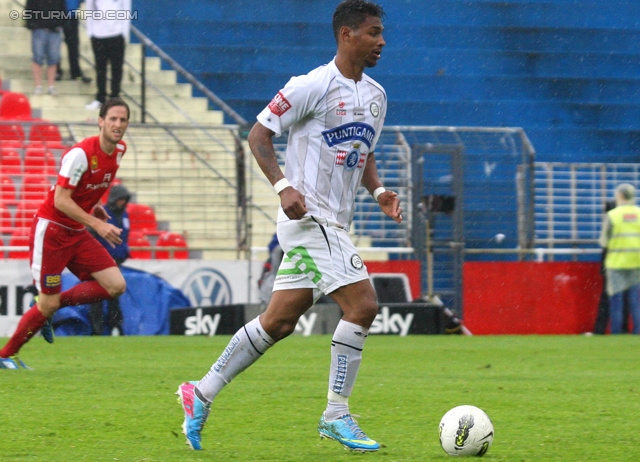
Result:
303,264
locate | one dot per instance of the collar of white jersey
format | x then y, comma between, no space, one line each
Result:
351,82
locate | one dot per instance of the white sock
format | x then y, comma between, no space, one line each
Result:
346,355
245,348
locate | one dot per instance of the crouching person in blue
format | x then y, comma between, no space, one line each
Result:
116,207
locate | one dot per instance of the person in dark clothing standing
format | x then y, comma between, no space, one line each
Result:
116,208
108,34
72,40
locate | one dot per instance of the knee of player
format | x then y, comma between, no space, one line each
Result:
369,310
48,306
278,328
118,289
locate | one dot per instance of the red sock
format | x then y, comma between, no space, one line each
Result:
84,293
29,324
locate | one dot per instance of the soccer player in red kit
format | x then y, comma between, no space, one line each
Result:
59,236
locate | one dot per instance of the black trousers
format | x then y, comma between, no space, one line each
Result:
108,50
114,314
72,40
113,320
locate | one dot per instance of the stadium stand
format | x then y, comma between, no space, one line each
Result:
6,222
568,77
24,213
8,192
15,106
11,131
171,239
138,239
142,218
47,133
565,75
10,160
39,159
19,238
34,187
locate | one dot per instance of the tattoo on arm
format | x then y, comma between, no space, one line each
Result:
269,162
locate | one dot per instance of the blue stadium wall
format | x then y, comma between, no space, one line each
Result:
565,71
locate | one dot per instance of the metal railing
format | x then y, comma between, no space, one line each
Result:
147,43
570,200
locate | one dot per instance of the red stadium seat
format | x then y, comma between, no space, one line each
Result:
11,131
58,148
137,239
170,239
20,237
8,194
15,106
10,161
45,133
39,160
35,187
10,144
6,223
25,212
142,218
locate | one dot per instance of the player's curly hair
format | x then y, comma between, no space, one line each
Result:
352,13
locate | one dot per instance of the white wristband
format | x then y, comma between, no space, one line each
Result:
377,193
281,185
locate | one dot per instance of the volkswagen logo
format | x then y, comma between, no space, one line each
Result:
207,287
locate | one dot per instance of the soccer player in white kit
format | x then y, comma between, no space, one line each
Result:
334,116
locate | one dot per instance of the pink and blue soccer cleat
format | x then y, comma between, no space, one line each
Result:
195,413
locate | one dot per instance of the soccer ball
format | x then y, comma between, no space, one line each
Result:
466,431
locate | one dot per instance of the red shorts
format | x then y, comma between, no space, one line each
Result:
52,248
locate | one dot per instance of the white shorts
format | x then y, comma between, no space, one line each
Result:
317,255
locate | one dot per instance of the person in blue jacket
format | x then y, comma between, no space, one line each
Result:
116,207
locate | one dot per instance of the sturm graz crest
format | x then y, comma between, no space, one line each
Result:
352,159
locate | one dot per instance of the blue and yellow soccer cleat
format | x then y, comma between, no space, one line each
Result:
195,413
47,329
346,431
13,362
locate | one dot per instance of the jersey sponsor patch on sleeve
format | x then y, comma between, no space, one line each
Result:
52,280
279,105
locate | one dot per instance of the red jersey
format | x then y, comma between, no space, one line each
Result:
88,171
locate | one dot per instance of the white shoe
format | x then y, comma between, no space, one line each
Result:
38,90
52,91
93,105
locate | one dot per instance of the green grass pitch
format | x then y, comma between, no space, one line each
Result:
551,398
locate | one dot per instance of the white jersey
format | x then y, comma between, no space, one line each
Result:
334,123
